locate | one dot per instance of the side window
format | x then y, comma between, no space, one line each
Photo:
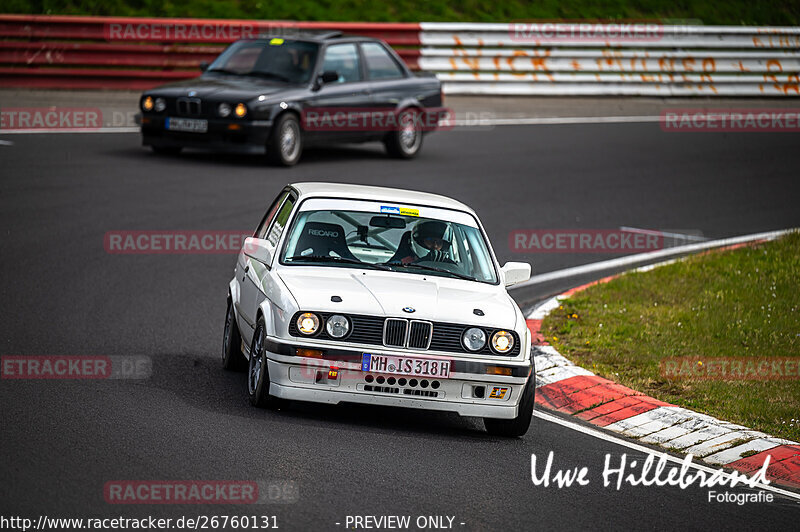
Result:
380,64
262,227
343,58
280,221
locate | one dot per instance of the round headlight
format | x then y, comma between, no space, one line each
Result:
160,105
224,110
147,103
307,323
502,341
240,110
474,339
337,326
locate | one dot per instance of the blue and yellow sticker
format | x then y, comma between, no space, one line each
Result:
403,211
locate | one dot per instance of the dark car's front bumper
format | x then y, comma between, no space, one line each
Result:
238,136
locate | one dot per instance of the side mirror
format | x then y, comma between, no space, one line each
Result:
329,76
203,66
516,272
258,249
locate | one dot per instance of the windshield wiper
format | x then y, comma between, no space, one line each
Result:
434,269
224,71
345,260
273,75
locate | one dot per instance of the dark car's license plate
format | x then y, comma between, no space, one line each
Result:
192,125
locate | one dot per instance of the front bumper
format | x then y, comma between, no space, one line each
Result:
468,391
251,136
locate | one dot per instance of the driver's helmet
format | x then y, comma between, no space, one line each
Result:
431,240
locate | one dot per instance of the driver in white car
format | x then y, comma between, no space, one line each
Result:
429,241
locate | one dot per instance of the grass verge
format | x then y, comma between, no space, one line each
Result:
743,305
735,12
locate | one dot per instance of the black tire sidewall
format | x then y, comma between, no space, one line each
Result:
260,395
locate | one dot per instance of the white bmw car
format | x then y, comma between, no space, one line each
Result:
380,296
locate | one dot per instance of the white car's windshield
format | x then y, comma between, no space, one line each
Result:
389,241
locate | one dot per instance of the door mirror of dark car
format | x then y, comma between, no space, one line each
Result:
258,249
387,222
516,272
203,66
329,76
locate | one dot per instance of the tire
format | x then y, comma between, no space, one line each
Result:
258,370
232,357
518,426
166,150
285,145
407,141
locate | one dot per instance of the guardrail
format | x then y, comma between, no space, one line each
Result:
609,59
139,53
521,58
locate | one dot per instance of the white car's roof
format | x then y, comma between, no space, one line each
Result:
395,195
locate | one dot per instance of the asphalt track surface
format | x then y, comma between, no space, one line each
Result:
60,442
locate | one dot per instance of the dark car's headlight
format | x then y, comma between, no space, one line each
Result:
240,110
502,342
148,104
224,110
473,339
308,323
337,326
160,104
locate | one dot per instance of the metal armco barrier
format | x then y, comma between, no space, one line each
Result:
604,59
139,53
647,59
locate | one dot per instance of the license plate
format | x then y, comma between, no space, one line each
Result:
421,367
192,125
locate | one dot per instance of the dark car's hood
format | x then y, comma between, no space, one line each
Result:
225,87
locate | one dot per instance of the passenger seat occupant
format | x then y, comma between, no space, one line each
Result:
322,239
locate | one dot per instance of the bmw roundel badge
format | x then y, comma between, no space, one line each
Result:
410,310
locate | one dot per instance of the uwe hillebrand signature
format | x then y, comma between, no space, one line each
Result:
649,473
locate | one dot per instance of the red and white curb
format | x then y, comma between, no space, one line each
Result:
564,387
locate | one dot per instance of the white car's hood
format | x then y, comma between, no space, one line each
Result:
378,293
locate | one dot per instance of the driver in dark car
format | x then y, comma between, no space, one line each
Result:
429,241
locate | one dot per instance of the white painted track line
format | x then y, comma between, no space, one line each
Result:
636,447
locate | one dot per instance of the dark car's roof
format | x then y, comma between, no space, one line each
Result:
317,37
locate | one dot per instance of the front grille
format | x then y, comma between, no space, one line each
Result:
419,336
394,332
189,106
374,330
